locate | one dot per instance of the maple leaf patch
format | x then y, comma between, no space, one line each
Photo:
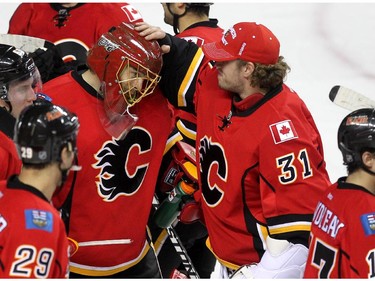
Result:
283,131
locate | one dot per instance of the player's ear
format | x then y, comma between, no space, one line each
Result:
67,156
180,8
368,160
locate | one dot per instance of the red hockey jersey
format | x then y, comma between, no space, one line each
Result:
9,159
112,194
33,242
262,168
74,30
342,242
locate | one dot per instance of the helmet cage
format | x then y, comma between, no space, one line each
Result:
130,93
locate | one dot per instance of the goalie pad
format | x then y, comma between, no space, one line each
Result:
281,260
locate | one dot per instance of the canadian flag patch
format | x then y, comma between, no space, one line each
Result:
283,131
132,13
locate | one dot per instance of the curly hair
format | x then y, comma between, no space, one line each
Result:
269,76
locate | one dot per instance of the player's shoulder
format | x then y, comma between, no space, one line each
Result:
58,84
35,7
347,199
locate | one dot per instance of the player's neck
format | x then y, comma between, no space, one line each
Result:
190,19
92,79
363,179
68,5
44,180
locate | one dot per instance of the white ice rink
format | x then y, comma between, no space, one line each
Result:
325,44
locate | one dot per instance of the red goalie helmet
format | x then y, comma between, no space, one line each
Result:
118,50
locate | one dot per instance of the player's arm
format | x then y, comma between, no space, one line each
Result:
180,71
181,63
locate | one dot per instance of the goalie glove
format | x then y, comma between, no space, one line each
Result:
282,259
182,167
191,211
48,61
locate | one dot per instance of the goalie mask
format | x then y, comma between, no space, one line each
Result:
356,134
19,78
120,59
128,67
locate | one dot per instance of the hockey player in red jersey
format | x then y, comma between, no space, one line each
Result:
73,27
109,202
342,240
19,80
191,22
258,149
33,241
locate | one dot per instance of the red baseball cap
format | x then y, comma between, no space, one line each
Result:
248,41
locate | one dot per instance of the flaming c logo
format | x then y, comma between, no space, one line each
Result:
123,164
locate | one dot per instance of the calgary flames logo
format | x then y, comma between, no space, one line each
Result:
123,164
213,170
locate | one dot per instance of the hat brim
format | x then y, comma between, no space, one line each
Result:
215,52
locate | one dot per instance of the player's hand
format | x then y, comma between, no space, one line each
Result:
150,32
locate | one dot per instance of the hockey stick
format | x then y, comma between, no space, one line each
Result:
349,99
26,43
179,247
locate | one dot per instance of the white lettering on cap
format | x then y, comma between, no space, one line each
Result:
230,31
242,48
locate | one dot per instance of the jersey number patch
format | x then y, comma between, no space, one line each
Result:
288,167
29,262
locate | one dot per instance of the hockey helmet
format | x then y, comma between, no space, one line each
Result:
357,133
43,130
16,65
117,50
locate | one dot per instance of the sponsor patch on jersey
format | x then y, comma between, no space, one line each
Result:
37,219
283,131
368,223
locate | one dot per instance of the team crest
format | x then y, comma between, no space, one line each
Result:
122,164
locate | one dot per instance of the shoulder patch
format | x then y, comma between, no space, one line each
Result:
283,131
132,13
368,223
38,219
